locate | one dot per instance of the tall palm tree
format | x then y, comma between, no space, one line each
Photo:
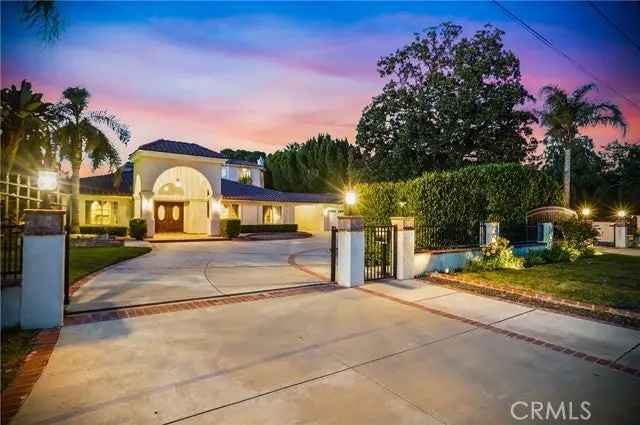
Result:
564,115
80,137
23,115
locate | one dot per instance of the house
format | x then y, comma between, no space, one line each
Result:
185,187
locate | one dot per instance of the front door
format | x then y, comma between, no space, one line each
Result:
169,216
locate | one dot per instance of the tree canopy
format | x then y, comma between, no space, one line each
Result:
321,164
449,101
244,155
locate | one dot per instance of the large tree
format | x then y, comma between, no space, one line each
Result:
449,101
321,164
622,173
244,155
564,115
81,137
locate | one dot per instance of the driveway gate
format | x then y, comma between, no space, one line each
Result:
380,243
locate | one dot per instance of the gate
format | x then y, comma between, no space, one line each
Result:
334,252
11,273
380,244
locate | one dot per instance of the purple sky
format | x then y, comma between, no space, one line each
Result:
259,76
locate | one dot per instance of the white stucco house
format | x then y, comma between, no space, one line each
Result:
185,187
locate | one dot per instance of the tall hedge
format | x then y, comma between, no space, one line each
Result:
467,196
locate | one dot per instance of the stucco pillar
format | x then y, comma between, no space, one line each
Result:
147,211
492,231
546,234
350,262
42,295
620,234
406,246
214,214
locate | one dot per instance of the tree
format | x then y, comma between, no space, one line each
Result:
622,173
321,164
23,115
80,137
587,168
244,155
449,101
564,115
44,15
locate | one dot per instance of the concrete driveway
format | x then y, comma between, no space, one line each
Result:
346,356
183,270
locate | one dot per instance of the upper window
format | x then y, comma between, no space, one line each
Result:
271,215
101,212
245,176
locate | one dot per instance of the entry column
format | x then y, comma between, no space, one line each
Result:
350,265
405,247
214,213
147,211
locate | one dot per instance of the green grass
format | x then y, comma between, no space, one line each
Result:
610,279
16,344
83,261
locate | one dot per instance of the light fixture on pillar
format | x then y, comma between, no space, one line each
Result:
47,183
350,200
621,213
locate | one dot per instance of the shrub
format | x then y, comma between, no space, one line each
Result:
562,252
230,227
536,257
260,228
137,228
579,235
503,193
101,230
496,256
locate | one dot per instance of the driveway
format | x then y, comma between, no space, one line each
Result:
390,354
184,270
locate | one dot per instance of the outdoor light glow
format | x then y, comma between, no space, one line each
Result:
47,180
178,183
350,197
622,213
586,212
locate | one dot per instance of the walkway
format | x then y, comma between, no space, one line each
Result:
388,353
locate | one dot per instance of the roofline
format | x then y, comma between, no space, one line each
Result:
170,155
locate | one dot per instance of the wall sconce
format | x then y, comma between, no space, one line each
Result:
178,183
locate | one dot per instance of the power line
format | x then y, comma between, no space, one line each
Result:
614,25
574,62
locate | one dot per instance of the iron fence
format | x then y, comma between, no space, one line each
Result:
380,252
11,270
519,232
447,237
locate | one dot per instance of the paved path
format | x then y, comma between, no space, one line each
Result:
635,252
393,353
182,270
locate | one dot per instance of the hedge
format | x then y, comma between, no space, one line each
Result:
137,228
503,193
101,230
260,228
230,227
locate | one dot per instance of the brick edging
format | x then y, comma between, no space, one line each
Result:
171,307
32,367
524,338
292,262
442,278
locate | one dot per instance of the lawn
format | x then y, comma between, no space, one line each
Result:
16,344
610,279
83,261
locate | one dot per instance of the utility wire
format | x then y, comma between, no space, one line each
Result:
574,62
614,25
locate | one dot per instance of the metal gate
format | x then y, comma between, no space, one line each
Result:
380,244
11,273
334,252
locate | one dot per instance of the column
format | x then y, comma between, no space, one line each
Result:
620,234
214,216
405,249
491,232
350,262
42,295
147,211
546,234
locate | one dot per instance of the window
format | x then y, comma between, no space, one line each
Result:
231,211
271,215
225,172
101,212
245,176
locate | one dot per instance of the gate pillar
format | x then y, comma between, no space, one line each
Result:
350,261
405,247
43,256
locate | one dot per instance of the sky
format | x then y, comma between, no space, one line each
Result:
262,75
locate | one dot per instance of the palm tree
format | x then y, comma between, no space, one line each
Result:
80,138
23,115
564,115
44,15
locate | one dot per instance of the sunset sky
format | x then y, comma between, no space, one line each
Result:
262,75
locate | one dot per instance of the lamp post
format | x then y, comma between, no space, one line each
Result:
350,200
47,183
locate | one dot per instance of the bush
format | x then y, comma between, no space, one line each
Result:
137,228
503,193
230,227
562,252
101,230
536,258
496,256
261,228
579,235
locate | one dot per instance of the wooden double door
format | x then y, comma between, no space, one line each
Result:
169,216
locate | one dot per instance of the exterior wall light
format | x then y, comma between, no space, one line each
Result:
178,183
350,199
47,183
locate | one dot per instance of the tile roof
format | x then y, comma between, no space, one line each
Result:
242,162
230,190
182,148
